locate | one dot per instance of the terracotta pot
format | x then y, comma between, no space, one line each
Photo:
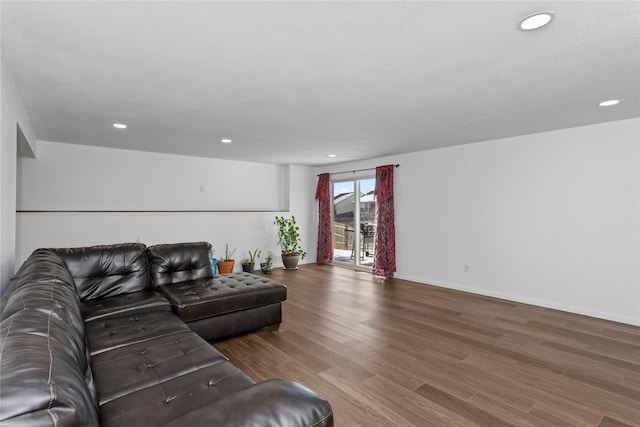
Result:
226,266
290,261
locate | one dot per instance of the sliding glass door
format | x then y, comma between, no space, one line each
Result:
354,211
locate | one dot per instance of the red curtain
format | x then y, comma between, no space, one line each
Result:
384,261
325,239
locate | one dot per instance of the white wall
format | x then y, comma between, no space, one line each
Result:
551,219
12,116
242,199
76,177
305,208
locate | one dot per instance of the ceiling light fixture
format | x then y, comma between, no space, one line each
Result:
609,102
535,21
225,141
331,155
119,125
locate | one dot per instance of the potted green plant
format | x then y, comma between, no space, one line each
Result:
225,265
249,263
289,241
266,266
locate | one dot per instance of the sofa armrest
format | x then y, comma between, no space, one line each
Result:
272,402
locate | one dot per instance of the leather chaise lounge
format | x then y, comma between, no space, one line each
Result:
111,335
218,307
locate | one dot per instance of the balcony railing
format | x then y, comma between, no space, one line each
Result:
344,251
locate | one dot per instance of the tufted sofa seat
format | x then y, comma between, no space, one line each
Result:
227,305
86,340
198,299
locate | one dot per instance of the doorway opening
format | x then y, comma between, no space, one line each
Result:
354,219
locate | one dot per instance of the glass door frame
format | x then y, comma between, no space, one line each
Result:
357,235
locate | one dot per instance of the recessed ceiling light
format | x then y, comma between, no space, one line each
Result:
331,155
120,125
225,141
535,21
609,102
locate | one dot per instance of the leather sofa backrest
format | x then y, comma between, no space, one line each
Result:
44,358
107,270
179,262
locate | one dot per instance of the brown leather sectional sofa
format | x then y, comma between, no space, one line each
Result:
87,338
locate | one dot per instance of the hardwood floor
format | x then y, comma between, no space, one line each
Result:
398,353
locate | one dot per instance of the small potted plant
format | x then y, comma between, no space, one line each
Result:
249,263
225,265
289,241
266,266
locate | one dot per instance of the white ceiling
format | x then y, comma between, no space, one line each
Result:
291,82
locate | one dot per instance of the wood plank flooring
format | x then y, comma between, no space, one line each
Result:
398,353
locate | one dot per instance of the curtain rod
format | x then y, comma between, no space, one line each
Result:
358,170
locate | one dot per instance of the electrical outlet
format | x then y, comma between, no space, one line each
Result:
466,268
